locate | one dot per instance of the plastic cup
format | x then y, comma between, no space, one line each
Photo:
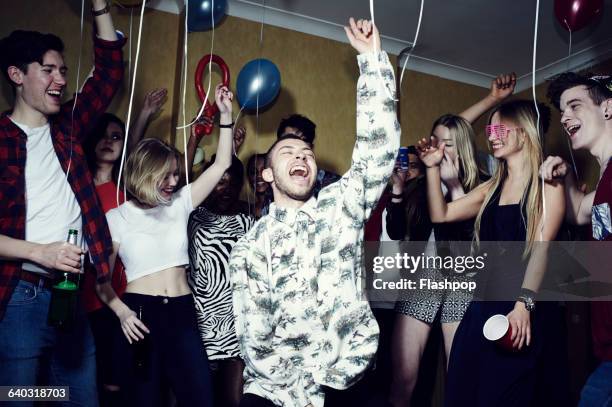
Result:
498,329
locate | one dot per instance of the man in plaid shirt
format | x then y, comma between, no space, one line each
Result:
46,189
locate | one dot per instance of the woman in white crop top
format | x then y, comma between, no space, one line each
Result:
149,233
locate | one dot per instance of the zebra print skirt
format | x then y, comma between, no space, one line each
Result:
211,239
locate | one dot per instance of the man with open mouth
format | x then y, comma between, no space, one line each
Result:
585,104
45,190
301,319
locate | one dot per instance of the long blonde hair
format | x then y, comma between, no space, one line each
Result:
463,136
523,113
146,168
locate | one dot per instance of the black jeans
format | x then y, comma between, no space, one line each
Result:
175,355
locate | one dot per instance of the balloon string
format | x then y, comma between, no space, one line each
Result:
416,36
78,90
389,93
129,114
535,104
569,54
212,43
184,85
261,43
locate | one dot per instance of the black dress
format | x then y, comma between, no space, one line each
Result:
482,374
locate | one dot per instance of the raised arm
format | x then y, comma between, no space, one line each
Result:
153,102
578,204
466,207
378,130
104,22
98,90
501,88
206,182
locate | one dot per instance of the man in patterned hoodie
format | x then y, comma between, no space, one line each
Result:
301,318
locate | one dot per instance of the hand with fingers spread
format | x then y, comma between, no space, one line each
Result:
503,86
154,100
60,256
363,36
132,327
520,321
223,98
431,152
553,168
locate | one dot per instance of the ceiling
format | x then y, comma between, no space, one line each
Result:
469,41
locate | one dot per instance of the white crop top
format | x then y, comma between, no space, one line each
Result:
151,240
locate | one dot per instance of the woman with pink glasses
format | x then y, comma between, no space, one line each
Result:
508,207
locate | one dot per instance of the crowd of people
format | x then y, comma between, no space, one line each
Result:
192,296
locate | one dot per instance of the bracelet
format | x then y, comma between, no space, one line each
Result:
105,10
227,126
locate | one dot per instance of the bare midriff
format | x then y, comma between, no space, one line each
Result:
171,282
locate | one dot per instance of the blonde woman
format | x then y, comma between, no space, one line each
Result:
460,174
149,233
508,207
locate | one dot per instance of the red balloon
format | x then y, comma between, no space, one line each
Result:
210,109
576,14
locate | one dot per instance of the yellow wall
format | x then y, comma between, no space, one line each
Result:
318,79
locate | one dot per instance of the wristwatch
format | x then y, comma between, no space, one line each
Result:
528,301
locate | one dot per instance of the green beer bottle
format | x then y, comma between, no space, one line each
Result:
64,295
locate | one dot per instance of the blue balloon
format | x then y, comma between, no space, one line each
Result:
199,14
258,84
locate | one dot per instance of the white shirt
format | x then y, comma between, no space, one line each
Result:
154,239
51,205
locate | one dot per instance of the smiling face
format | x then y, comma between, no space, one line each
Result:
41,88
506,138
293,170
443,134
254,172
581,118
168,184
108,149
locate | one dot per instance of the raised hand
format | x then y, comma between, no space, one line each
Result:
363,36
431,152
154,100
223,98
239,136
553,168
503,86
398,179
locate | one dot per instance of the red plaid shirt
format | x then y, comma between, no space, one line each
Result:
91,103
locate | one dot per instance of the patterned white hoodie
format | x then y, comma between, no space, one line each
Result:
301,318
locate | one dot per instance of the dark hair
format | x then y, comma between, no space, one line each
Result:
412,150
97,134
302,123
235,170
599,88
21,48
278,140
252,158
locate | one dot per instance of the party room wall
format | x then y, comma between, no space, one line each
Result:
318,77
